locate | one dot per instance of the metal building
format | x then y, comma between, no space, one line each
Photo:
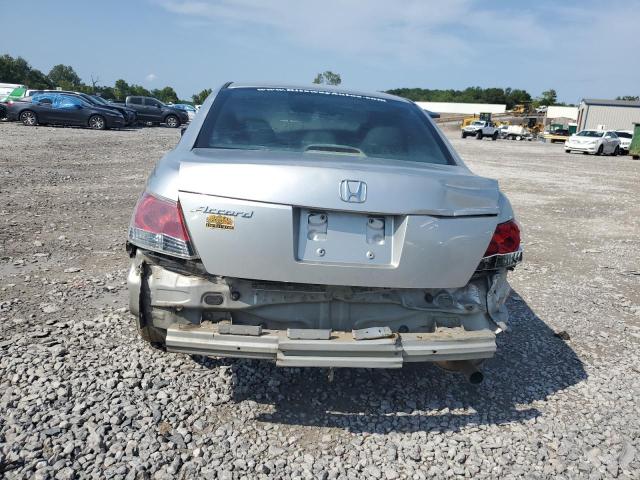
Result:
608,114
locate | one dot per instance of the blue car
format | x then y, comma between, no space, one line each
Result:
190,109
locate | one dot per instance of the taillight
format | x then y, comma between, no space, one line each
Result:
158,225
506,239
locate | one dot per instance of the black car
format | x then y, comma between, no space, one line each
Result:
152,110
130,116
63,109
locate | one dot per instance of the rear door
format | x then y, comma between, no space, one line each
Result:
137,104
153,109
43,106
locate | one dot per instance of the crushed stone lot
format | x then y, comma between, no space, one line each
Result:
81,396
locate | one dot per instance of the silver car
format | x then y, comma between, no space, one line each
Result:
320,227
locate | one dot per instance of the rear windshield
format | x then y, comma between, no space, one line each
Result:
624,134
316,121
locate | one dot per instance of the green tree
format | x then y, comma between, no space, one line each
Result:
516,97
328,78
121,89
64,76
508,96
549,97
166,95
18,70
199,98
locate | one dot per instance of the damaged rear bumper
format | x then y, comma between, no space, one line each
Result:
340,350
195,310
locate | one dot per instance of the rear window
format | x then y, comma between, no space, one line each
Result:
316,121
624,134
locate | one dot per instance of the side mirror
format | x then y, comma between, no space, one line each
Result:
182,130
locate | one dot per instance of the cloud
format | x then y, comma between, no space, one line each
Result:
379,27
410,29
579,42
151,77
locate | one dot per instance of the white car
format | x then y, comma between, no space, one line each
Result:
480,129
625,137
598,142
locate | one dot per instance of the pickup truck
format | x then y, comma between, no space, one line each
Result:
480,129
152,110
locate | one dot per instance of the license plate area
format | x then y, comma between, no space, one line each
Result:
342,237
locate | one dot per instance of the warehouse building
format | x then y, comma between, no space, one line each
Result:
556,111
608,114
462,108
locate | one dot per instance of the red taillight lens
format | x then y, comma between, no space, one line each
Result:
158,225
157,215
506,239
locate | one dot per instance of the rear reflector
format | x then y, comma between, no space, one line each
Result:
157,225
506,239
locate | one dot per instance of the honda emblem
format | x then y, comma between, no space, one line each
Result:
353,191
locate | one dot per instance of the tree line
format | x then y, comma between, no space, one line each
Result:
17,70
508,96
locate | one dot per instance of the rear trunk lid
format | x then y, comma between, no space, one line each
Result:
327,219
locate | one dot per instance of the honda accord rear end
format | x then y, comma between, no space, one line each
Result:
320,227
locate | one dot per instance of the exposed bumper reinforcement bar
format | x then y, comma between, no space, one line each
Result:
341,350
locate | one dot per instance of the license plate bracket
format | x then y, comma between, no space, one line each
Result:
344,237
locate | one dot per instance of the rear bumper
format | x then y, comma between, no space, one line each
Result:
341,350
315,325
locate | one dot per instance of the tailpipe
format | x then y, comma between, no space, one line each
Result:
467,367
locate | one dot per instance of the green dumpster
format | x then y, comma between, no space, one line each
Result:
634,148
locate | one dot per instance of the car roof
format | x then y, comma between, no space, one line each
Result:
316,87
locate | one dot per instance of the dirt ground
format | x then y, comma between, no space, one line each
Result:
550,407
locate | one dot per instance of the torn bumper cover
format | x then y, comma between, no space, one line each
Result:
317,325
341,350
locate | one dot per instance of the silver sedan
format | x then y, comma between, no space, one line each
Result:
321,227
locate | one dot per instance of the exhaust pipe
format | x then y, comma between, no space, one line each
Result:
466,367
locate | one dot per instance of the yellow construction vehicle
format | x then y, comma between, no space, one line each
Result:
485,117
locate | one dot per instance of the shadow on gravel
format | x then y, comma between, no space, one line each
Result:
531,363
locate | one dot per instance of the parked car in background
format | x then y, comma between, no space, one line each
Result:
480,129
320,227
152,110
190,109
625,136
598,142
558,135
63,109
129,114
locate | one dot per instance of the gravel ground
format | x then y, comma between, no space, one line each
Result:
82,397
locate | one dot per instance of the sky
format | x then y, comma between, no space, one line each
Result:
582,49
